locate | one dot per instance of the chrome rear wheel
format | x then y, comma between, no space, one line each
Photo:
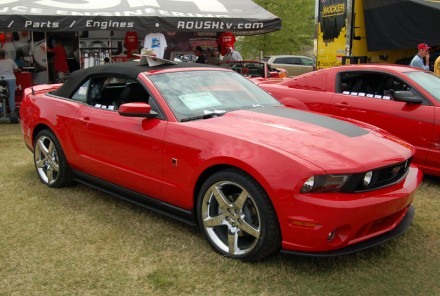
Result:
50,162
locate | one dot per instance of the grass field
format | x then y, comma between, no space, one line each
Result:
78,241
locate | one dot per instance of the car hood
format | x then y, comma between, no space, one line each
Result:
329,143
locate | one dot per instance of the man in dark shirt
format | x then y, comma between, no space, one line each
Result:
201,59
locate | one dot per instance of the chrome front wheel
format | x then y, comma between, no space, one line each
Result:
237,217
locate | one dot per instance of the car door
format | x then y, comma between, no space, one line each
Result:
434,153
126,151
364,97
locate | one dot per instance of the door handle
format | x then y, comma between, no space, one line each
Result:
85,120
343,105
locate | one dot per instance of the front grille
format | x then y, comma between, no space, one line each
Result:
381,177
378,226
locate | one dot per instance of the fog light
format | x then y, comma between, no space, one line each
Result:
331,235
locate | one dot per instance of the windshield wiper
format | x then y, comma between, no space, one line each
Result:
207,114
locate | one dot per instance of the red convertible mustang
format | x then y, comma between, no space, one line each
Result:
207,146
402,100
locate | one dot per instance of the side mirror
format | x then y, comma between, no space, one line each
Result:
407,97
136,110
274,74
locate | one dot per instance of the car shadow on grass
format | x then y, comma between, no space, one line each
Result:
154,228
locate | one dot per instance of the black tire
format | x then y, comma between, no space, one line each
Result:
240,221
50,161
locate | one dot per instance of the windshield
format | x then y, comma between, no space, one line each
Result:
198,93
428,81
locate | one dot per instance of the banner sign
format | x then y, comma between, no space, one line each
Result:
331,41
242,17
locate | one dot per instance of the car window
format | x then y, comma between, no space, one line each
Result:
280,61
81,93
95,89
428,81
196,93
109,92
90,90
307,62
370,85
287,60
293,61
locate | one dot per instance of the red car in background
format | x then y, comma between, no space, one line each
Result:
402,100
257,72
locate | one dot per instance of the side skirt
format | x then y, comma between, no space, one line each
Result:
150,203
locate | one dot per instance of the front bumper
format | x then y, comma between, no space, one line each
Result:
400,229
337,223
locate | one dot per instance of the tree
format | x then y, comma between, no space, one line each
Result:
296,34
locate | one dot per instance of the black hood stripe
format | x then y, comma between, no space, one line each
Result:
340,126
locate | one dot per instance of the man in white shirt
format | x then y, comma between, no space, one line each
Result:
7,70
423,53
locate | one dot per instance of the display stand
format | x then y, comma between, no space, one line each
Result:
93,56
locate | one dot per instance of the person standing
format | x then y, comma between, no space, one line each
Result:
61,66
214,58
423,53
7,70
231,54
201,59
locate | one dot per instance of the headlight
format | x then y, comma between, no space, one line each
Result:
325,183
367,178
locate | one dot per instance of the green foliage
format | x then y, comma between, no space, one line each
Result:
295,36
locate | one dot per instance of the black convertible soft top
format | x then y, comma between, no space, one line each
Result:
127,69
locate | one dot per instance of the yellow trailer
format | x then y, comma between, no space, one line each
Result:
373,31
